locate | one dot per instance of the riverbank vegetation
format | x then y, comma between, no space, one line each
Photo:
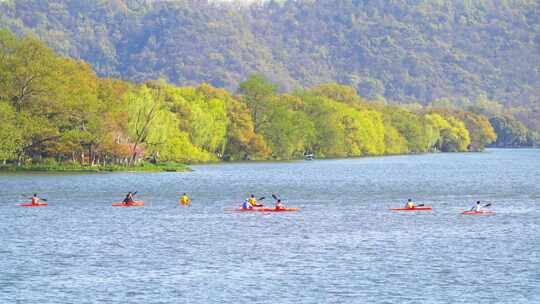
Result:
56,111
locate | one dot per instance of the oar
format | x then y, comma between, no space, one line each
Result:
420,205
132,194
260,199
41,199
28,196
486,205
275,197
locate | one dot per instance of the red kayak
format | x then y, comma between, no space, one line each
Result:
483,212
263,209
132,204
411,209
33,205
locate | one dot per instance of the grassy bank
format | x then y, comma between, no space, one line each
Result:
145,167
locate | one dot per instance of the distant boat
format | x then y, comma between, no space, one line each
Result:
309,156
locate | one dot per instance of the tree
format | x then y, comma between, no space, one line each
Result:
143,108
10,135
242,141
452,136
257,91
510,132
30,73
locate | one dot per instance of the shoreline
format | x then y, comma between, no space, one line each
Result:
182,167
168,167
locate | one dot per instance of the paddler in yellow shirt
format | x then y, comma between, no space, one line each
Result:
410,204
184,200
253,201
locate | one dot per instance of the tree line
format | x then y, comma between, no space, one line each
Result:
56,108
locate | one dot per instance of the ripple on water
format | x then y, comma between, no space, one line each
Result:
343,247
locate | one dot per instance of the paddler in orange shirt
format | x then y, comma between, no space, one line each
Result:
35,199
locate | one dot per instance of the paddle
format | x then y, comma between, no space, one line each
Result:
26,196
132,195
485,206
277,199
420,205
261,199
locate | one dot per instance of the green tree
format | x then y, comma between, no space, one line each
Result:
257,91
510,132
143,108
10,135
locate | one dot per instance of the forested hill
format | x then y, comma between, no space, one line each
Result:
55,110
404,50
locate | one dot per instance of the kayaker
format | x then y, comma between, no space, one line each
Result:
477,208
279,204
246,205
410,204
129,198
253,201
184,201
35,199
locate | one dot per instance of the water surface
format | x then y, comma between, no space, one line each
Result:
343,247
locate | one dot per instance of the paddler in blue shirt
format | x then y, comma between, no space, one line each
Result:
129,198
246,204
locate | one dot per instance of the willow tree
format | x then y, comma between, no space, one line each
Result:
143,108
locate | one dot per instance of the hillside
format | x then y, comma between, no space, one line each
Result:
405,51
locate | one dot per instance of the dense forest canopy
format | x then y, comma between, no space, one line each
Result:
56,109
403,50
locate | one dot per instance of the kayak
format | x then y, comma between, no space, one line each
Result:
484,212
411,209
133,204
33,205
263,209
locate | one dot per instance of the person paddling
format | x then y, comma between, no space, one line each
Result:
480,208
253,201
279,205
246,204
477,208
410,204
35,199
184,200
129,198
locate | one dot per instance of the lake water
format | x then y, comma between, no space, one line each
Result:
343,247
